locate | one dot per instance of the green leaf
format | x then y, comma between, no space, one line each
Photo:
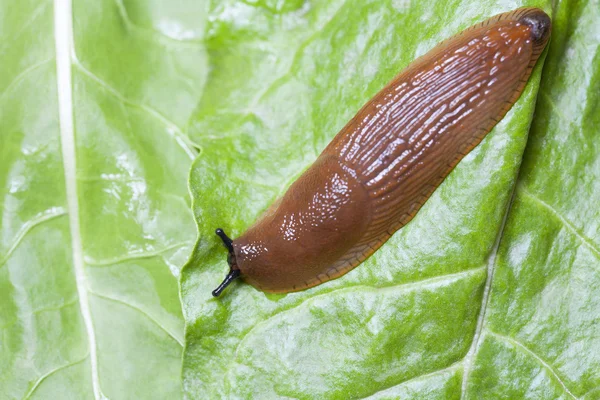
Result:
95,218
540,336
467,301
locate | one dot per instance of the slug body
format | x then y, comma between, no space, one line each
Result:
386,162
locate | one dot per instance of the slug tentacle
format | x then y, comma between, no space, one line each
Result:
226,240
230,277
386,162
234,271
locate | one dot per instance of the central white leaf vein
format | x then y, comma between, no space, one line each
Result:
63,36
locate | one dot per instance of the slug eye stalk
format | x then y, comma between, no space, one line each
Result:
226,240
234,271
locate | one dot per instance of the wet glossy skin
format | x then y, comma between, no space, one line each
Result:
386,162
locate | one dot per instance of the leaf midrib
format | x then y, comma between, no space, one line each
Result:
63,36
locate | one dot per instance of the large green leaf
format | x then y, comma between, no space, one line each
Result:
95,215
468,300
95,224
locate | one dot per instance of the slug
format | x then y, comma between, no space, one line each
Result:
386,162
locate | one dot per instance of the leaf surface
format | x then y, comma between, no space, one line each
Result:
540,334
95,214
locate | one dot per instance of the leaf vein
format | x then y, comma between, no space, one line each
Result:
402,286
36,13
144,313
52,372
566,223
468,360
63,41
47,215
135,255
449,368
525,349
20,77
172,129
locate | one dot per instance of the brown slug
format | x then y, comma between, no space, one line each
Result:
386,162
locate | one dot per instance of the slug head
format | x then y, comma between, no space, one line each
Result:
234,271
539,24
